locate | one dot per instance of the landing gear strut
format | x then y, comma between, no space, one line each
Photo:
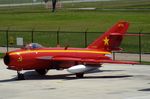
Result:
20,76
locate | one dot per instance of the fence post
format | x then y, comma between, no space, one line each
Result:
140,50
7,39
32,34
114,57
85,38
58,43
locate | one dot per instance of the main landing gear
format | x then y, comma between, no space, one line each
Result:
20,76
41,71
79,75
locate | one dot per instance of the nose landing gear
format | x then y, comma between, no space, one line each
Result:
20,76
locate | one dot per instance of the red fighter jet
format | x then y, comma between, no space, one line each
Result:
76,60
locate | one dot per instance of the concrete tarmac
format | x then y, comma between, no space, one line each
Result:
110,82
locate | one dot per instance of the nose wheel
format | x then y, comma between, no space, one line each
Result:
20,76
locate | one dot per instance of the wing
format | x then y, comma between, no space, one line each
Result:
93,61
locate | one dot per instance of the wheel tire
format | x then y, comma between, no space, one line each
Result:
79,75
41,71
20,77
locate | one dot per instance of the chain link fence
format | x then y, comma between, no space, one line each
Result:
137,46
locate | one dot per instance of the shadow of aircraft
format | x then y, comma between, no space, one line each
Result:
146,89
32,75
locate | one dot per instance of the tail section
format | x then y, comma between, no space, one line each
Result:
111,40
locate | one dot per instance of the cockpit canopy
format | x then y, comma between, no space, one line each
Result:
33,46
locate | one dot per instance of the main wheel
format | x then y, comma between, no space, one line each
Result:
41,71
79,75
20,76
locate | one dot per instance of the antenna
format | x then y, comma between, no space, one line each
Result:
66,47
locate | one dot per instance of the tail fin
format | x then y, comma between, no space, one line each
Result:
111,40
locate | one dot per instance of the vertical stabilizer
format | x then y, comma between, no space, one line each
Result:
111,40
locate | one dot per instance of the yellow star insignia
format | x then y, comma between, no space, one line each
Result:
106,41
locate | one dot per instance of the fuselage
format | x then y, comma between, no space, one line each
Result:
76,60
26,59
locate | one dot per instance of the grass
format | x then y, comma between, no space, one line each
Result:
95,21
17,1
112,4
1,55
145,63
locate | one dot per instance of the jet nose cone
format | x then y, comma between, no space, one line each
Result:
6,59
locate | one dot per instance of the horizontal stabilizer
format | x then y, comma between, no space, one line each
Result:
118,34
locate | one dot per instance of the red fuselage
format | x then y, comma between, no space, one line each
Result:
26,59
76,60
